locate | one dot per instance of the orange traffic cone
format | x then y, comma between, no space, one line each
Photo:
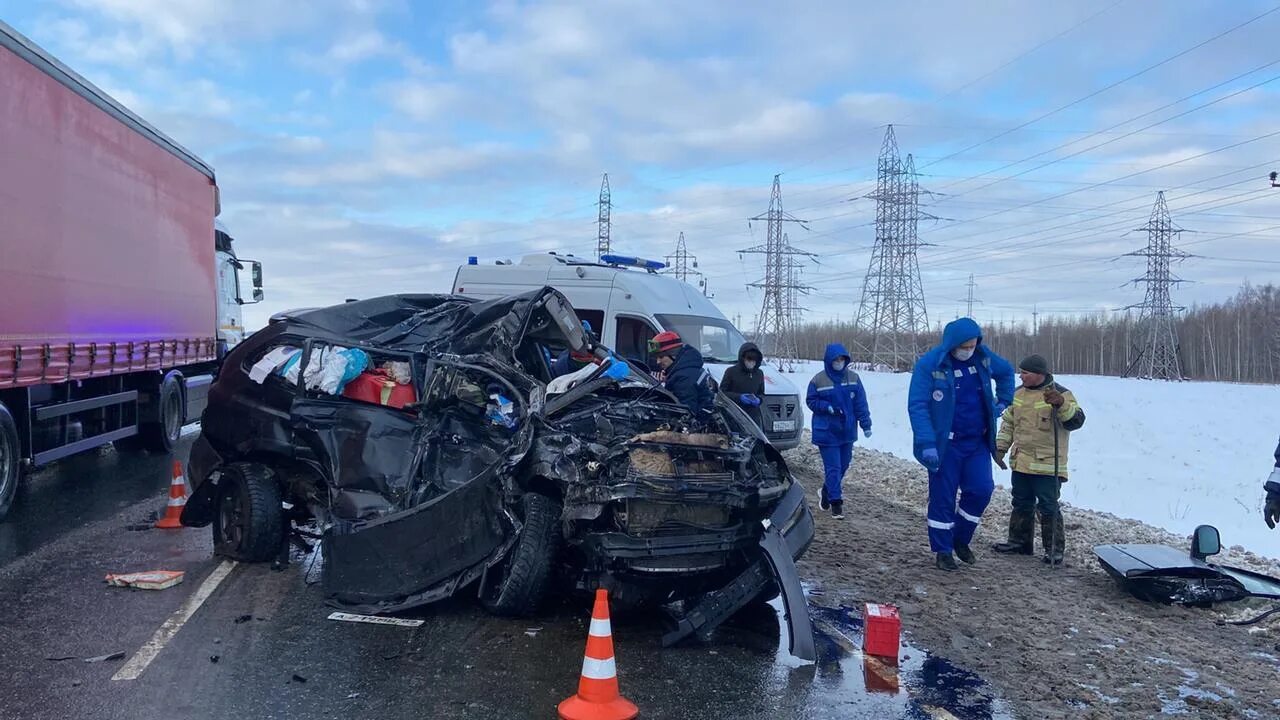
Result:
177,500
598,697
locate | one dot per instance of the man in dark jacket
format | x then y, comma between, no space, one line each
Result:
839,405
683,374
953,419
1271,512
744,382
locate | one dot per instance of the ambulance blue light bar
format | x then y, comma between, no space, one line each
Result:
629,261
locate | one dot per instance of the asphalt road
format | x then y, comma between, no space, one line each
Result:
243,641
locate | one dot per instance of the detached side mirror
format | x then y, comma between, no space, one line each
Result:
1205,541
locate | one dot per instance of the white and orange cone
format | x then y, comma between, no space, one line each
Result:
172,519
598,697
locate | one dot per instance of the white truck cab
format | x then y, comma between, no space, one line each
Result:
231,329
627,302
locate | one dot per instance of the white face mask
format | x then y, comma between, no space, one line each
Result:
749,364
837,365
961,354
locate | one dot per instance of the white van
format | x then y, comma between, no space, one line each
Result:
627,302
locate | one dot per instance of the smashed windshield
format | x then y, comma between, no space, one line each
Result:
716,338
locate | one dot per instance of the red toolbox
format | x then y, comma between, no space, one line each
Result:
375,386
883,630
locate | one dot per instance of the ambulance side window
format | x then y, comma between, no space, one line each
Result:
595,318
633,339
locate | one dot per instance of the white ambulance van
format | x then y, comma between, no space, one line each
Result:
627,302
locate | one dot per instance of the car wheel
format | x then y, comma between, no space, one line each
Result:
163,434
10,460
250,523
524,577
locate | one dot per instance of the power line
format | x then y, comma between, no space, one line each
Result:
1103,89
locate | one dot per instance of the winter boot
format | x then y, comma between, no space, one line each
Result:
964,553
1022,530
1053,538
837,509
822,498
946,562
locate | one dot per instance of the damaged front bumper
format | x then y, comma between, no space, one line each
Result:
787,534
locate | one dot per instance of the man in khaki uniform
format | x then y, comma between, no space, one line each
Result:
1037,426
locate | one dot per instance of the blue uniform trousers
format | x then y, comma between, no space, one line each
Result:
966,468
835,463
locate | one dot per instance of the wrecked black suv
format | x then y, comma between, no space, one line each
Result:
427,439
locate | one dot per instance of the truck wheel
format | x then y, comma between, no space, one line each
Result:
523,578
10,460
250,522
161,436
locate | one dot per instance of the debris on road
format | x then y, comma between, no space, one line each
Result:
148,580
375,619
533,632
105,658
64,657
214,658
243,619
298,678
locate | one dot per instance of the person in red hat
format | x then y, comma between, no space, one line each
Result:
683,374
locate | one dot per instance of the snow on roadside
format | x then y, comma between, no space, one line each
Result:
1173,455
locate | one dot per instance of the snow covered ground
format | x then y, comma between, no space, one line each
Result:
1174,455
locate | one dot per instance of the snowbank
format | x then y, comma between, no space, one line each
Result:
1174,455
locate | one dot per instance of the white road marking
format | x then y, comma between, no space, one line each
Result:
141,659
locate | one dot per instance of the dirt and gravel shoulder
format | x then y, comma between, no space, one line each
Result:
1056,643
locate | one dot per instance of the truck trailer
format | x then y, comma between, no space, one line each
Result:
119,290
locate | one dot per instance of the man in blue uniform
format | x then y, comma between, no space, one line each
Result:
1271,512
953,419
839,406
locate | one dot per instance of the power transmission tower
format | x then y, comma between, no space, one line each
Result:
1157,357
777,322
970,299
891,317
603,223
682,264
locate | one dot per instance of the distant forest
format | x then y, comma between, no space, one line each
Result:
1237,340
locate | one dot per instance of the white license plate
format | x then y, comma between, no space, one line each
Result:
784,425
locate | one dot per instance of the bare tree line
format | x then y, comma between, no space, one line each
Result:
1237,340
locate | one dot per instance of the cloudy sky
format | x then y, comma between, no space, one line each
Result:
370,146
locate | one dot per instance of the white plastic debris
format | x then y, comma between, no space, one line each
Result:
270,362
375,619
149,580
401,372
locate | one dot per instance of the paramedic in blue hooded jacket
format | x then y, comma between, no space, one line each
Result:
953,419
838,402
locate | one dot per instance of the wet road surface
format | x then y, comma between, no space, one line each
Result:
260,644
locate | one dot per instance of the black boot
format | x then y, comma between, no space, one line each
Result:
1022,530
837,509
946,562
964,553
822,498
1053,538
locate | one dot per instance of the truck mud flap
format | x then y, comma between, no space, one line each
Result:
716,607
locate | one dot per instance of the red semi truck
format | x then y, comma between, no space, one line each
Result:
119,292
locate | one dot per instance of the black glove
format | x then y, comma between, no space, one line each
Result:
1271,511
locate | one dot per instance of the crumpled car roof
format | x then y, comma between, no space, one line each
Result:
428,323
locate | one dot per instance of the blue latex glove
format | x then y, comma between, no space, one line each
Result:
1000,408
617,370
930,458
866,431
749,400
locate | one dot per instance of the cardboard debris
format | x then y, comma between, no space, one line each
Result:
375,620
149,580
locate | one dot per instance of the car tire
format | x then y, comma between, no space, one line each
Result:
162,435
10,460
249,524
524,577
